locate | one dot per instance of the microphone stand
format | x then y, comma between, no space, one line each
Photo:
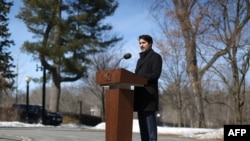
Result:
126,56
116,65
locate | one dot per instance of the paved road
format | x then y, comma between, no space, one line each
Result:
62,134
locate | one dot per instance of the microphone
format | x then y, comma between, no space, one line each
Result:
125,56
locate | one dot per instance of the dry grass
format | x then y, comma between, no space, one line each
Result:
8,115
69,119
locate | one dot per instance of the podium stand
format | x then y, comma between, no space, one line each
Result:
119,100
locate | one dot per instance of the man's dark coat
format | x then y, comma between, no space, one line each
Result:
149,65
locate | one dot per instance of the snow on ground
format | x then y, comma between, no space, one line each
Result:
197,133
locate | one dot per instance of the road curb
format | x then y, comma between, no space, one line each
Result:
4,137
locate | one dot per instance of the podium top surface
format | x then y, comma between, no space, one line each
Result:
119,77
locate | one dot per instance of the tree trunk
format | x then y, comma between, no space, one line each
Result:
56,76
55,95
237,94
195,82
183,15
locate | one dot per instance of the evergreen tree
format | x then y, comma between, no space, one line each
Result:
6,66
67,31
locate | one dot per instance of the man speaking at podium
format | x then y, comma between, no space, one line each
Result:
146,99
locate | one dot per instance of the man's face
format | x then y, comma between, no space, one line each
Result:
144,45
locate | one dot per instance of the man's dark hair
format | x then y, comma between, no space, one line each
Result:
147,38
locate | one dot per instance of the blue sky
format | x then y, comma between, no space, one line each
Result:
130,20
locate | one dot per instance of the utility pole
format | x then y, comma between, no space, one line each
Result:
80,111
43,91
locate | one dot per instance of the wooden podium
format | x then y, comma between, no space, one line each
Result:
119,101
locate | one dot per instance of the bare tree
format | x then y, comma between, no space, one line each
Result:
232,30
101,61
173,76
188,20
